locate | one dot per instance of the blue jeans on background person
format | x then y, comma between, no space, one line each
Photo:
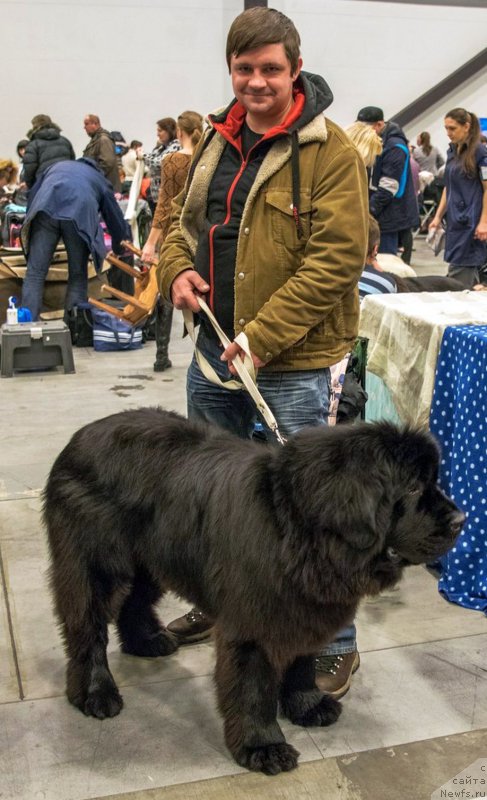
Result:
389,242
45,234
297,399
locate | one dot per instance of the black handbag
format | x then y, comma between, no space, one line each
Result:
80,324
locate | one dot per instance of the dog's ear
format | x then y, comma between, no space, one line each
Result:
354,513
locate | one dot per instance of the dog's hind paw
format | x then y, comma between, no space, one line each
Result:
310,709
161,644
270,759
326,712
103,703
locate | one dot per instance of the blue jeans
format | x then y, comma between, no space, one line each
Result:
389,242
45,233
296,399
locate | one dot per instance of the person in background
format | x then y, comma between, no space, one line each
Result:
464,198
8,177
392,197
167,142
427,156
367,142
375,280
174,171
129,162
101,149
273,230
66,203
46,146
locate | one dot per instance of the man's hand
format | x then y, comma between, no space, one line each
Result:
186,288
233,350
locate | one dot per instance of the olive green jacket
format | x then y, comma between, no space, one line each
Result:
296,299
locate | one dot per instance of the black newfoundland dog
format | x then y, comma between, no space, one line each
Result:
276,544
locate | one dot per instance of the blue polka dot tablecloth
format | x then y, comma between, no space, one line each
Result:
459,422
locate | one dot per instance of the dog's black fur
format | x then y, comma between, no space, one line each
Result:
276,544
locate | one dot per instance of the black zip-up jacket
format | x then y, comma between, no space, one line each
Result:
45,148
391,212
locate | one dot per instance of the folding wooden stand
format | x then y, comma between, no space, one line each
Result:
142,304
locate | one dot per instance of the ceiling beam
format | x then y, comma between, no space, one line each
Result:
437,93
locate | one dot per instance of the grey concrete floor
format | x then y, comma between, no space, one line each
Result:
414,716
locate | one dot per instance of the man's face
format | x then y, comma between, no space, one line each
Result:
90,127
262,81
378,126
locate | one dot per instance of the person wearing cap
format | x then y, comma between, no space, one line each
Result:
392,195
272,229
45,147
101,149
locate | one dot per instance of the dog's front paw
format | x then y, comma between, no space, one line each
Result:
103,703
100,703
311,709
270,759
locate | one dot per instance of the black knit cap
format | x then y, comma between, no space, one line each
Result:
370,114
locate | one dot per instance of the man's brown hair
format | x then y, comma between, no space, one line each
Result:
374,235
259,26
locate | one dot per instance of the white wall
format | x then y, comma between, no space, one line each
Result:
132,63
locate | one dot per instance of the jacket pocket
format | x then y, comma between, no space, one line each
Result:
284,230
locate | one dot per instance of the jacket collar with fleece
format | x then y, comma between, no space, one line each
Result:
307,129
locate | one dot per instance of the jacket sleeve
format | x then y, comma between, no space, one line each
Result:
332,262
388,179
175,254
106,156
30,163
118,227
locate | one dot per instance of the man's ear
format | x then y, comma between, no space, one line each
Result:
298,70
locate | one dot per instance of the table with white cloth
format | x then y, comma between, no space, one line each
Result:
404,333
459,422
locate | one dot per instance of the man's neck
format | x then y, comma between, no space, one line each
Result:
259,124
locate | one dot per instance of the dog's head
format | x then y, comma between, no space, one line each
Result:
367,497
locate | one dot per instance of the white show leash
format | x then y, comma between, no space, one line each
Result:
245,369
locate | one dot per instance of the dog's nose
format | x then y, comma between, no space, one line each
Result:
457,522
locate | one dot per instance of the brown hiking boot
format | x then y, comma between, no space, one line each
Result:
334,672
191,627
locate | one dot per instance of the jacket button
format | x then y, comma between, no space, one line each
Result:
241,322
268,356
241,276
203,166
246,231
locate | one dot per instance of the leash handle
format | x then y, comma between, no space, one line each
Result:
245,369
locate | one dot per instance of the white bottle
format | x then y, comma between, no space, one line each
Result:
12,313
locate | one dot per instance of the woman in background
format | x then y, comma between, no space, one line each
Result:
167,142
427,156
464,198
174,171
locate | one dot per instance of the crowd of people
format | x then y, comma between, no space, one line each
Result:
265,213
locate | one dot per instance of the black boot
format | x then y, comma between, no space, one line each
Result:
163,334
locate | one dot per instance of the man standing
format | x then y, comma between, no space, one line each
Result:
102,150
392,195
273,230
66,203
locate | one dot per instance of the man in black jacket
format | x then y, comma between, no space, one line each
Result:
392,196
46,146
